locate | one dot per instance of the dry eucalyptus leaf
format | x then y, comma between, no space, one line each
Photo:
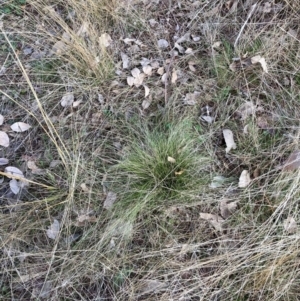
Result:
20,127
164,77
34,169
191,98
227,208
3,161
290,225
162,43
217,182
293,161
174,77
128,41
53,230
125,60
83,30
208,119
84,218
155,64
161,70
59,47
84,187
147,90
105,40
67,100
215,220
244,179
1,119
246,109
135,72
138,81
76,103
4,139
55,163
146,104
12,172
14,186
130,81
258,59
110,200
189,51
151,286
171,160
147,70
228,136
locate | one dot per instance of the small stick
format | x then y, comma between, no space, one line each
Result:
248,17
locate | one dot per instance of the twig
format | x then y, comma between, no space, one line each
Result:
248,17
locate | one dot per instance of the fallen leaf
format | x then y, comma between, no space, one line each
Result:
217,44
34,169
4,139
179,47
125,60
155,64
146,104
130,81
215,220
67,100
208,119
244,179
135,72
14,186
217,182
59,47
83,30
152,22
101,98
161,70
164,77
20,127
258,59
85,218
162,43
145,62
53,230
84,187
147,90
76,103
128,41
189,51
174,77
147,70
55,163
227,208
230,144
151,286
3,161
110,200
171,160
247,109
290,225
12,172
105,40
293,161
1,119
138,81
191,98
